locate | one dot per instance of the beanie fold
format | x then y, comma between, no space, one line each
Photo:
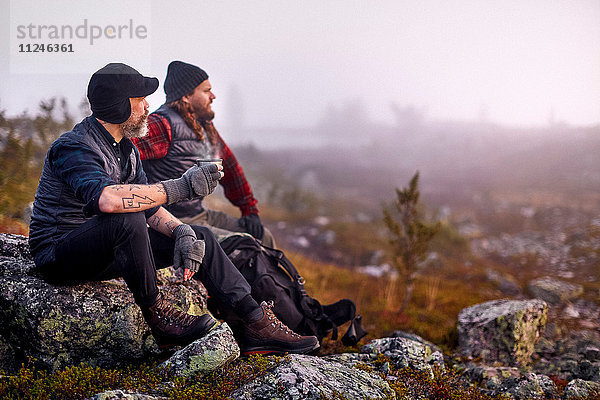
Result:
182,78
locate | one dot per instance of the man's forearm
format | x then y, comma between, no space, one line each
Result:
163,222
131,198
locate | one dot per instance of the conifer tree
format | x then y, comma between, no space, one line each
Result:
410,235
24,142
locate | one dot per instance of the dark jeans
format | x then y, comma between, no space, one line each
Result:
121,245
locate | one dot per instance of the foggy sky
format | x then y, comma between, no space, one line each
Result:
284,63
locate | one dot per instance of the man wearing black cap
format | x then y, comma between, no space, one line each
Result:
93,207
181,131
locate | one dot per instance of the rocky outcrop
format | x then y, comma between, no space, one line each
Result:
406,353
568,355
553,290
411,336
207,354
15,246
313,378
99,324
571,356
580,389
511,382
121,395
502,330
528,386
96,323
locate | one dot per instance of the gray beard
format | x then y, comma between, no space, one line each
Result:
135,130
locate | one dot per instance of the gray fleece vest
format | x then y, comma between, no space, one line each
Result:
185,148
56,209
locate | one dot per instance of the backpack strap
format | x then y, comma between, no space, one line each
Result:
333,315
287,265
355,332
342,312
310,306
239,241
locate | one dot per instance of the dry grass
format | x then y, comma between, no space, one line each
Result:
439,295
11,225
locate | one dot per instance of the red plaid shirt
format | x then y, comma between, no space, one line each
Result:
235,185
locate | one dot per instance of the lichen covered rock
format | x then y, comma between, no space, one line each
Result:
502,330
406,353
214,350
416,338
529,386
490,377
97,323
580,389
61,325
312,378
121,395
15,246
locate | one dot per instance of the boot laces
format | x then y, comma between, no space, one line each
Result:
169,315
275,322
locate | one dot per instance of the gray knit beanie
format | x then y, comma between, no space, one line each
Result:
181,79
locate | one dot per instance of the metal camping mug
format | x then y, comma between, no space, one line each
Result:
203,161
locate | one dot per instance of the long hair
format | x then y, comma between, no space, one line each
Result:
199,127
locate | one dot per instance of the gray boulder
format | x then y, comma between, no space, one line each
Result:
554,291
312,378
502,330
580,389
121,395
490,377
206,354
531,386
510,382
417,338
96,323
407,353
352,359
15,246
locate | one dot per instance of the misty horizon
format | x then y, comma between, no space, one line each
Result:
513,63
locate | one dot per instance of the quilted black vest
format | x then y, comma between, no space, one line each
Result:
56,209
185,148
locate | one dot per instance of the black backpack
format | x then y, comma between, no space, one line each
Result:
273,277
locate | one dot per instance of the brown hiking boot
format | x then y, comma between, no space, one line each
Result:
171,326
270,335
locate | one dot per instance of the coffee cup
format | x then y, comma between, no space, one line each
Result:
203,161
218,161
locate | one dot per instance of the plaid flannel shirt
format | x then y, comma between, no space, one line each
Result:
235,185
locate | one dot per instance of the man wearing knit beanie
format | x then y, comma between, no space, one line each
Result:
180,132
95,217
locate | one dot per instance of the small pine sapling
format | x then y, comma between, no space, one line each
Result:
410,235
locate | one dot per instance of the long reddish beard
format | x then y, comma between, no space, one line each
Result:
187,113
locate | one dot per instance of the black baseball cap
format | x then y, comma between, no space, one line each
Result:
111,87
